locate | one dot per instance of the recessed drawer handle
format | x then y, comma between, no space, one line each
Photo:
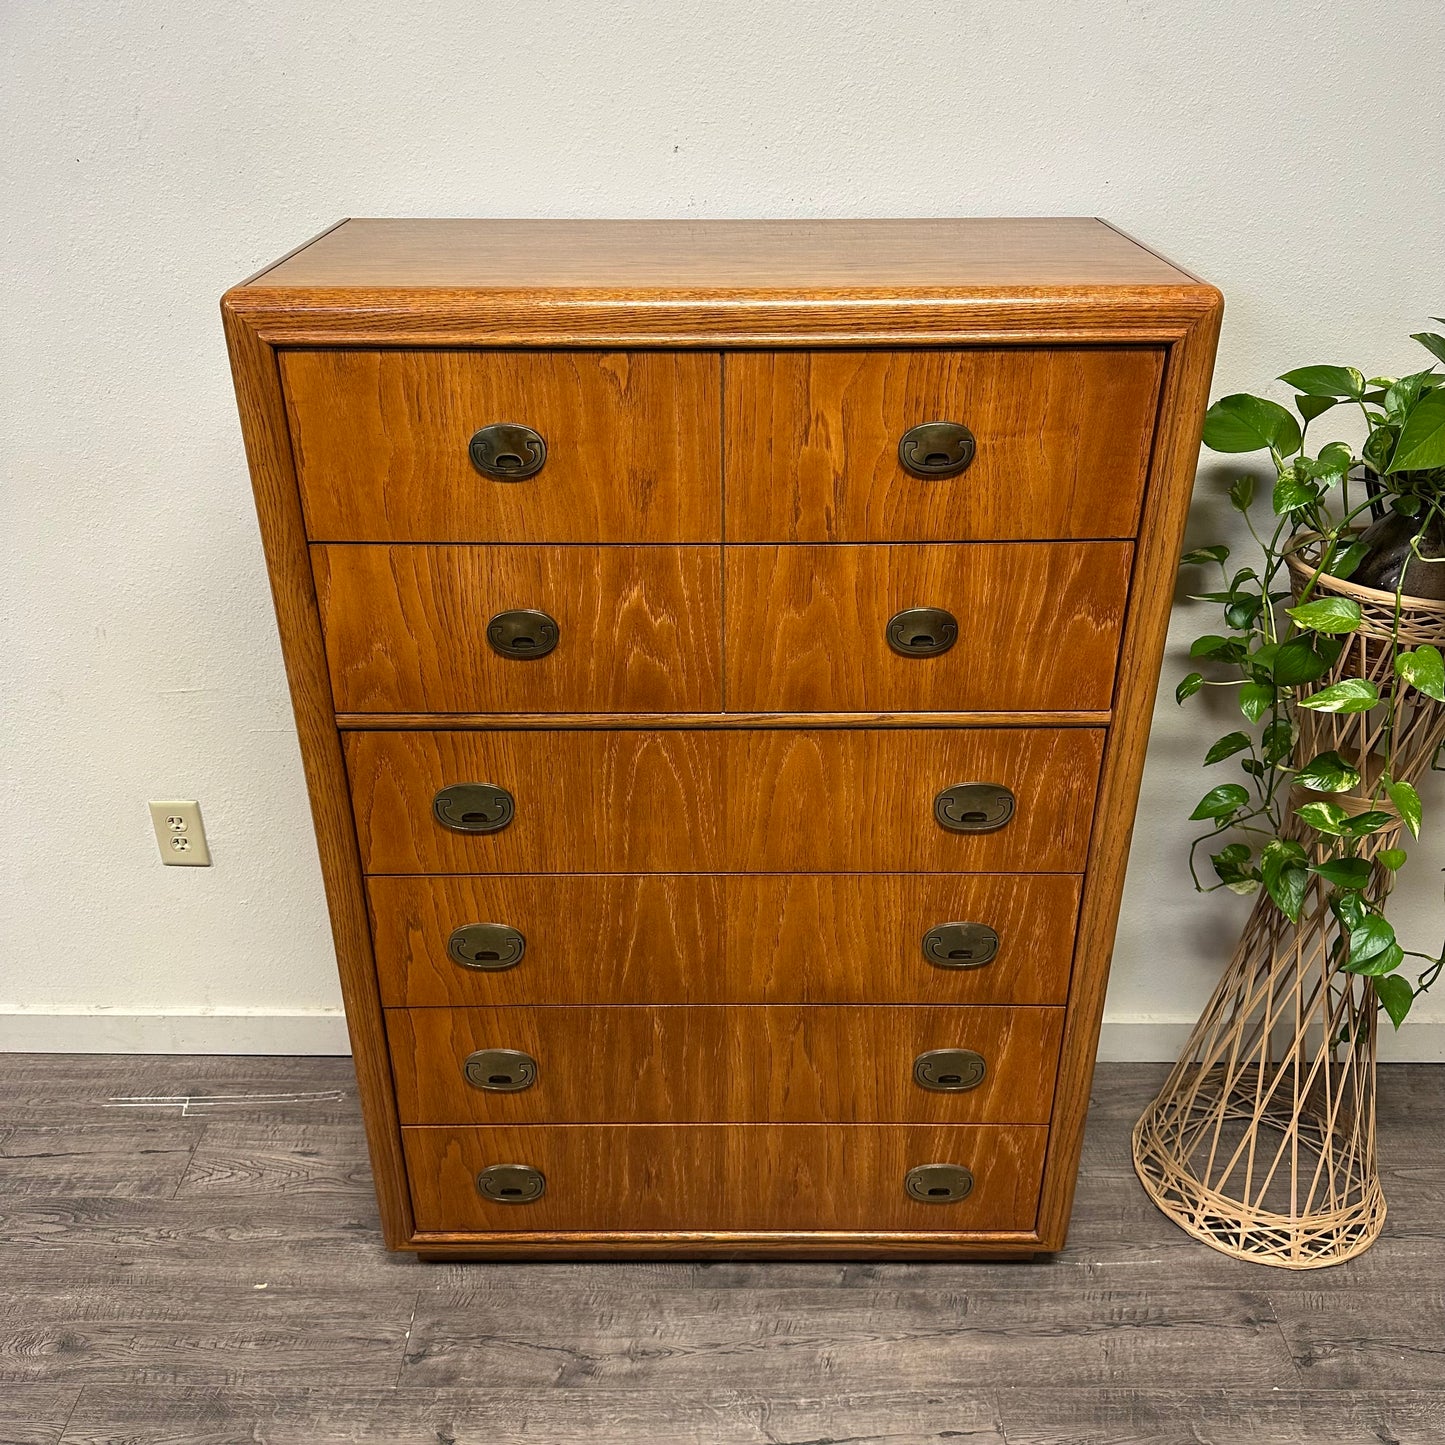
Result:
974,807
960,945
949,1071
473,808
511,1183
936,449
939,1183
500,1071
523,632
922,631
490,947
507,452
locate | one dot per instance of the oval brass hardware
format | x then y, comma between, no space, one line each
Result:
949,1071
511,1183
960,945
490,947
974,807
500,1071
922,631
936,449
473,808
523,632
507,452
938,1183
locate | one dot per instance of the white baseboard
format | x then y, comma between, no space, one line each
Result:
323,1031
172,1031
1147,1040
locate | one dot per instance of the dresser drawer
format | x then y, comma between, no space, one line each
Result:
1061,437
1035,626
781,1064
726,1177
417,629
751,800
381,445
725,938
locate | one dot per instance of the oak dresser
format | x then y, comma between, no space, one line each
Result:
723,655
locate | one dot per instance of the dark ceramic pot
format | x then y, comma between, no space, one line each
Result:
1390,555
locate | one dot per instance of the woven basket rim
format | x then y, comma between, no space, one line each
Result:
1304,570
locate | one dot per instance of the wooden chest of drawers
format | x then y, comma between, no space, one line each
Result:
723,655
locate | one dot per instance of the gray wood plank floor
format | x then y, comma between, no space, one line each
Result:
189,1253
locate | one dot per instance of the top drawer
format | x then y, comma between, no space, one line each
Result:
1061,444
381,440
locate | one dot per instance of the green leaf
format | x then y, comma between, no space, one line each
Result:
1407,804
1422,438
1377,448
1403,395
1407,505
1325,818
1424,669
1349,908
1309,407
1232,867
1363,824
1291,495
1256,699
1335,459
1201,555
1328,614
1369,939
1432,343
1342,564
1328,773
1221,802
1241,494
1354,694
1188,687
1212,645
1278,739
1342,382
1296,662
1240,613
1344,872
1392,858
1282,866
1244,423
1396,996
1226,747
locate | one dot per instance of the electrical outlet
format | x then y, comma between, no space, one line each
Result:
180,834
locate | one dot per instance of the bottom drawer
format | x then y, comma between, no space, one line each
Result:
722,1177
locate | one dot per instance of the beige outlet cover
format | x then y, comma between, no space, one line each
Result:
180,834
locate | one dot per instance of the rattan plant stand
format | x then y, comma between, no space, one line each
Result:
1262,1141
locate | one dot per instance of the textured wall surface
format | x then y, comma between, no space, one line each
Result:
157,152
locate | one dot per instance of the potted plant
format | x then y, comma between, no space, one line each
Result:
1261,1142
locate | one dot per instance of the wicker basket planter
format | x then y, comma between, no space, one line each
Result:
1262,1141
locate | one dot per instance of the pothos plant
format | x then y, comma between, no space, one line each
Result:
1274,645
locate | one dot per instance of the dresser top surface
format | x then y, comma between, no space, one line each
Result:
956,256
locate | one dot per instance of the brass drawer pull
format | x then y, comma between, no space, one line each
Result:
473,808
500,1071
489,947
511,1183
949,1071
922,631
938,1183
507,452
974,807
960,945
936,449
523,632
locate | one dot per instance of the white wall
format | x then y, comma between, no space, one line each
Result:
158,151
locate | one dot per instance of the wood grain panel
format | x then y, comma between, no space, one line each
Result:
812,443
380,440
406,628
1038,626
755,801
723,1177
785,1064
731,938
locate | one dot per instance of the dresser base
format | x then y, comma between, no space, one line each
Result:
442,1249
